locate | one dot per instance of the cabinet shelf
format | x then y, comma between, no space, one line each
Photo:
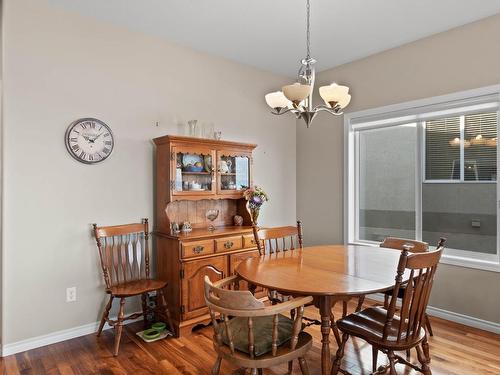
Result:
228,174
197,173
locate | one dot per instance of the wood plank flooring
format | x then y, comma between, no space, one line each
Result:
455,350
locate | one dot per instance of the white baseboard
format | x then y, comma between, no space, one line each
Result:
55,337
466,320
71,333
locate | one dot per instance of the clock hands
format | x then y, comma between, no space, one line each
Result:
91,140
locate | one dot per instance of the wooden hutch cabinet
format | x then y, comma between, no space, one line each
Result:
194,175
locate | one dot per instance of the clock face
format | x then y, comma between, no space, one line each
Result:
89,140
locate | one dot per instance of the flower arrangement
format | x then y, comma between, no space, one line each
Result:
255,197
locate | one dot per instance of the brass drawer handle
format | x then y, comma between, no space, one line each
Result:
228,244
198,249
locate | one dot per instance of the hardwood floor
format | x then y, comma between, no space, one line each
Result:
455,350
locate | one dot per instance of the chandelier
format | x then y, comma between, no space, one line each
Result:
297,98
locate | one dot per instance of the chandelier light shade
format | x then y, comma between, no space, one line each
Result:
278,100
297,92
297,97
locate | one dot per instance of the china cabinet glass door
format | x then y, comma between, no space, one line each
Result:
234,172
193,171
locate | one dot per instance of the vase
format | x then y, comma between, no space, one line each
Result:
254,214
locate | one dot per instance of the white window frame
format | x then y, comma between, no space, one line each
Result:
408,112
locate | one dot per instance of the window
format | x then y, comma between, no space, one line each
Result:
425,171
387,182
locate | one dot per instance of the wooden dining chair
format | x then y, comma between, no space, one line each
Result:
278,239
384,329
125,262
251,335
414,247
275,240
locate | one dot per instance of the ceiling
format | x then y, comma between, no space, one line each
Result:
270,34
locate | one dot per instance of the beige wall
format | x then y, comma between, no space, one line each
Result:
59,67
463,58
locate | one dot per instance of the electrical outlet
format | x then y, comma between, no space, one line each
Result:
71,294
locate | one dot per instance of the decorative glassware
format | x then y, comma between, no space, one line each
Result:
211,214
192,127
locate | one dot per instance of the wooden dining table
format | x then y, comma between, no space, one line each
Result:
329,273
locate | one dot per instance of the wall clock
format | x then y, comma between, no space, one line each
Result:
89,140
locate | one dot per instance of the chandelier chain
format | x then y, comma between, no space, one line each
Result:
308,33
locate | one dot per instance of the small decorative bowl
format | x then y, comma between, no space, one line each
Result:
193,168
159,326
151,334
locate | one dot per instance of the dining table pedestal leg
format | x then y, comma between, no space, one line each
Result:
324,303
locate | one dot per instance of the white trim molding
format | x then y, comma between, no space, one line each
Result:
55,337
451,316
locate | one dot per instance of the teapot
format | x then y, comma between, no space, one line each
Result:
225,166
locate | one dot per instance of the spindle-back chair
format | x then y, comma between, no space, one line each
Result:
275,240
125,263
279,339
414,247
385,330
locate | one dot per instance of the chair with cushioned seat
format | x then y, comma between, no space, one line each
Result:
124,256
415,247
388,332
252,335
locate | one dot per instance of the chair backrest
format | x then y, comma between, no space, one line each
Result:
422,268
123,251
274,240
223,298
399,243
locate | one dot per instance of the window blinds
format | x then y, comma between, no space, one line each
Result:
462,148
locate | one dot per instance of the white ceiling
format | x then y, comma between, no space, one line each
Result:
270,34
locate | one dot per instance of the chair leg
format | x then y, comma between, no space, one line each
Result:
408,354
386,301
260,371
292,314
344,309
253,371
119,326
167,311
339,355
303,366
392,363
290,367
216,368
105,315
374,358
425,347
428,325
424,360
361,300
335,330
144,309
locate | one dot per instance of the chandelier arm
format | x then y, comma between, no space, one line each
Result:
325,108
293,110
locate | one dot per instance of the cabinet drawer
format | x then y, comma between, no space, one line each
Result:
193,249
228,243
249,241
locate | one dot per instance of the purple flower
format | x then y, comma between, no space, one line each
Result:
257,200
